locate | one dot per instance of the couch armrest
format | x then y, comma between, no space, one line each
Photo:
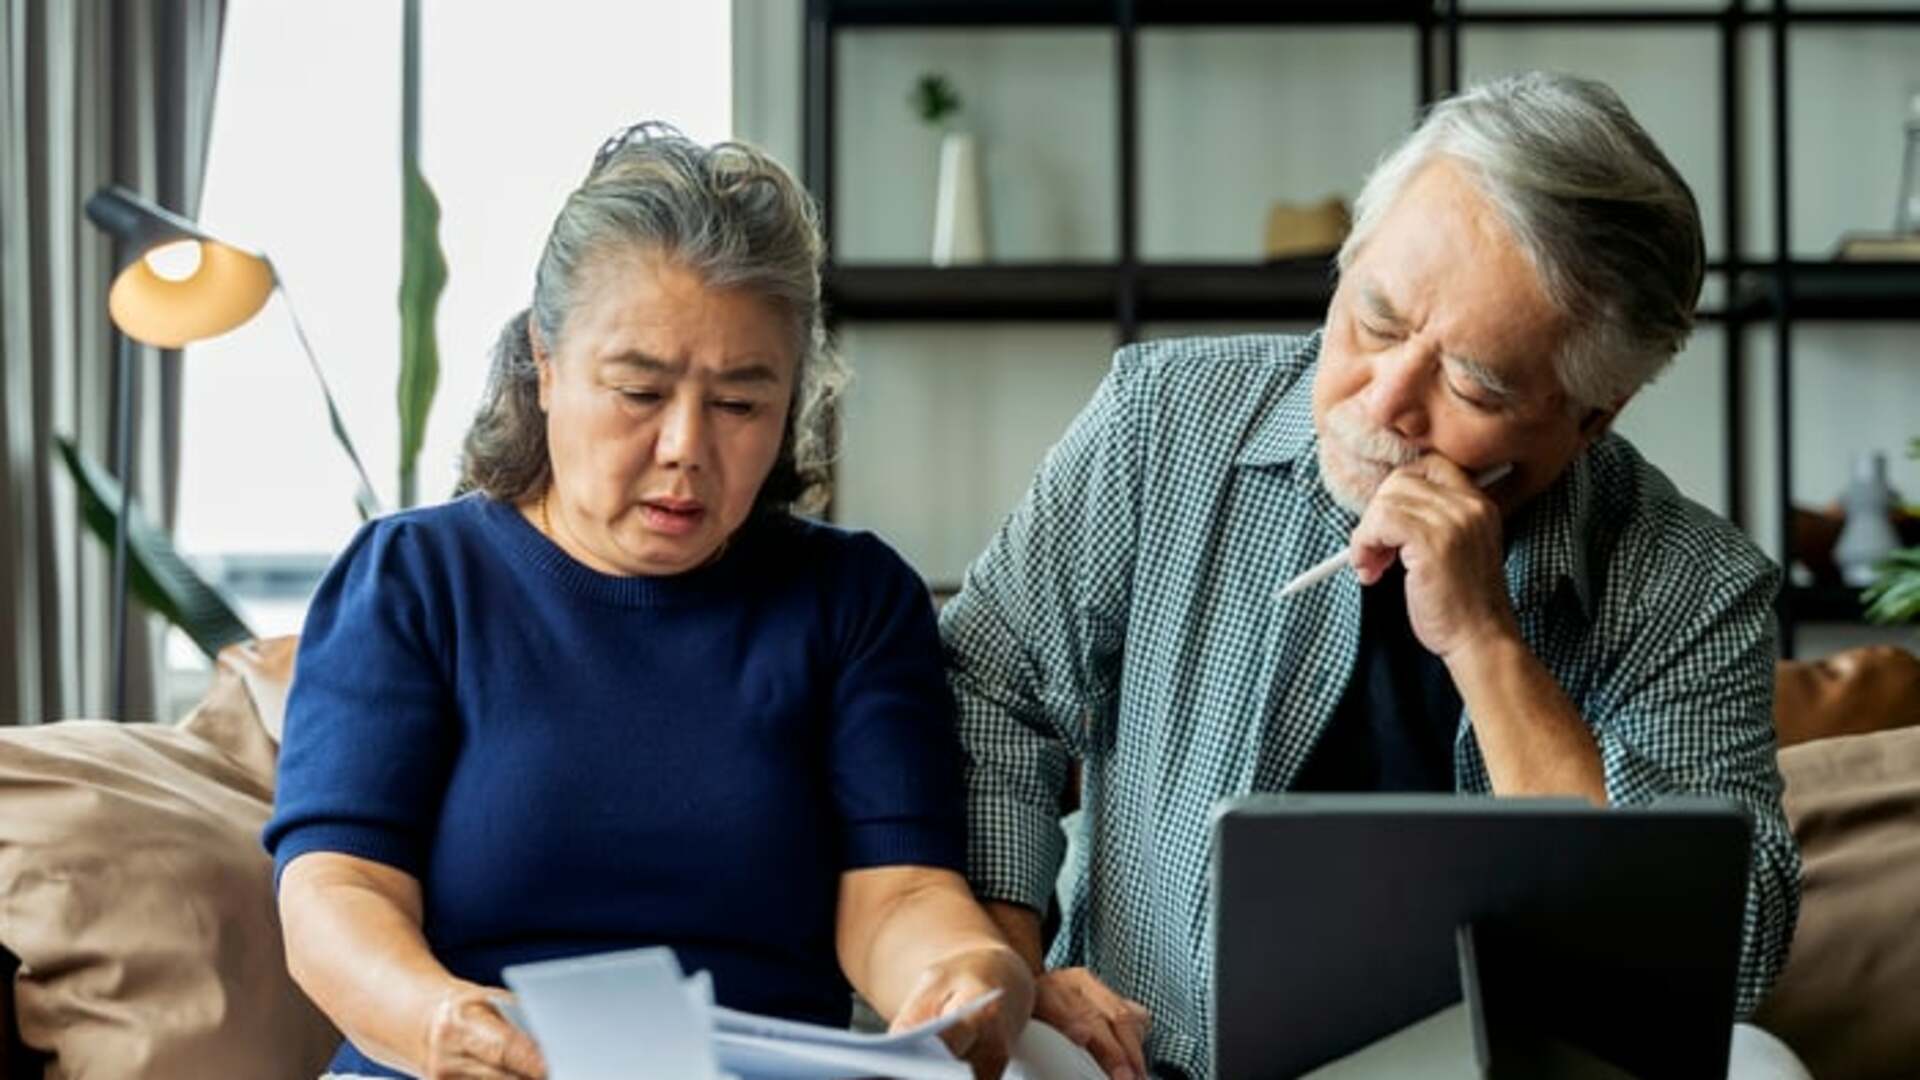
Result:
1856,692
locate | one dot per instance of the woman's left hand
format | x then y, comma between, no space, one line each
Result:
985,1039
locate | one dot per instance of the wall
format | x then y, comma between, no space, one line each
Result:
946,423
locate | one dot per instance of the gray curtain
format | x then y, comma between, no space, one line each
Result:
91,92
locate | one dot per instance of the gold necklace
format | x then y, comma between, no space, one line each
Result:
546,523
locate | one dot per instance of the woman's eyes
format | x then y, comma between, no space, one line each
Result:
731,406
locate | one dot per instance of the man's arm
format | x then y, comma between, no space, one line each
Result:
1033,644
1532,738
1448,534
1687,708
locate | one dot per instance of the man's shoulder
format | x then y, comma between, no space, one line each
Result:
1214,396
1665,549
1203,361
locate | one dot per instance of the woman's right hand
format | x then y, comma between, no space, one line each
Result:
468,1039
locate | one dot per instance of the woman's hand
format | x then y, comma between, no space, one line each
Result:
985,1039
468,1039
1111,1028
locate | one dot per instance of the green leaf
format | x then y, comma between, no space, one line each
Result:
156,573
934,98
423,275
1895,596
423,267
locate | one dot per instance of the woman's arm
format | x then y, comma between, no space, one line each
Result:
354,945
915,944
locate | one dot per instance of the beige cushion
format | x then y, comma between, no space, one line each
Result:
135,892
1849,1000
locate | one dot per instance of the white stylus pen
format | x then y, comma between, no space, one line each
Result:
1331,565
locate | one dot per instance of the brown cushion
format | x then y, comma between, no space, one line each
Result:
1850,693
135,892
1849,1000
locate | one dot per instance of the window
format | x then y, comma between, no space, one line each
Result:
305,167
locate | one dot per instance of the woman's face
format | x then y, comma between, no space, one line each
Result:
666,401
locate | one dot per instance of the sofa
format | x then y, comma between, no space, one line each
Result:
140,934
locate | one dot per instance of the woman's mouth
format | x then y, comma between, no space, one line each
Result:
673,517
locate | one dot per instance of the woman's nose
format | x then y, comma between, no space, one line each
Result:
682,441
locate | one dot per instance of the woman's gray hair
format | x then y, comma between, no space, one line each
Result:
1602,214
727,213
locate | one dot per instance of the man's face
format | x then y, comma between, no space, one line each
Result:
1440,339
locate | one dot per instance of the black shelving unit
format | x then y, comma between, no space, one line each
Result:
1127,291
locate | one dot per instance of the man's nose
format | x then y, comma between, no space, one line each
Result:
1396,395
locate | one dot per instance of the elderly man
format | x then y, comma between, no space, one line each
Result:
1517,270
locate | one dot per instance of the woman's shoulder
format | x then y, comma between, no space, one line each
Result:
420,539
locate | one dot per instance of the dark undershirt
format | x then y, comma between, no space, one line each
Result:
1394,727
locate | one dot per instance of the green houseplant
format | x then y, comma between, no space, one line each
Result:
1895,596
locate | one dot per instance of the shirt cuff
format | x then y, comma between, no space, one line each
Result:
1013,851
906,843
361,841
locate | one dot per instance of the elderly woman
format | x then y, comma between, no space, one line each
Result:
617,695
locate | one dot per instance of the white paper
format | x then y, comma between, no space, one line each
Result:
1042,1053
616,1016
753,1057
631,1014
733,1021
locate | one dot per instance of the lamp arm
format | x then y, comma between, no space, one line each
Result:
365,500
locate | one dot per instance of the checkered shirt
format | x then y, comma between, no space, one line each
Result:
1125,616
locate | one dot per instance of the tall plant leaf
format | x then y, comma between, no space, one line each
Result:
156,573
1895,596
423,270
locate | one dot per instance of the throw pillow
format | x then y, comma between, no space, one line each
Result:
137,897
1847,1000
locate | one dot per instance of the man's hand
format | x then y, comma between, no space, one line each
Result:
985,1039
1111,1028
468,1039
1447,533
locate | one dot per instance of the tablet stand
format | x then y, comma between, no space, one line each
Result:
1510,1004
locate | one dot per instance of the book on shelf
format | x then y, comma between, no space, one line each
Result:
1878,247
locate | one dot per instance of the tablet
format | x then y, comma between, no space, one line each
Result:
1572,932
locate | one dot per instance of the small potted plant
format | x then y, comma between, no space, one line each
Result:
959,222
1894,596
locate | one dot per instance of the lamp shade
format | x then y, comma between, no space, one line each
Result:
206,289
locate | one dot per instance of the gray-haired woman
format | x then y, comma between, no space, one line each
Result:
617,695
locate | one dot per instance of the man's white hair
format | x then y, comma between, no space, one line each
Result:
1602,215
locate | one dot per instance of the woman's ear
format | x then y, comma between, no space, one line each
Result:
542,360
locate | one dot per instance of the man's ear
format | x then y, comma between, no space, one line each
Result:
1597,421
542,360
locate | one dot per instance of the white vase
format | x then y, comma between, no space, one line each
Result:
1868,536
959,221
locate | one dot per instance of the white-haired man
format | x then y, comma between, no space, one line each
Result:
1518,269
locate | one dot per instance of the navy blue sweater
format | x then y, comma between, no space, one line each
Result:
571,762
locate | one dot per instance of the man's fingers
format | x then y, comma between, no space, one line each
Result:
1098,1037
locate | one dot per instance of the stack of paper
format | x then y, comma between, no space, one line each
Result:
625,1015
